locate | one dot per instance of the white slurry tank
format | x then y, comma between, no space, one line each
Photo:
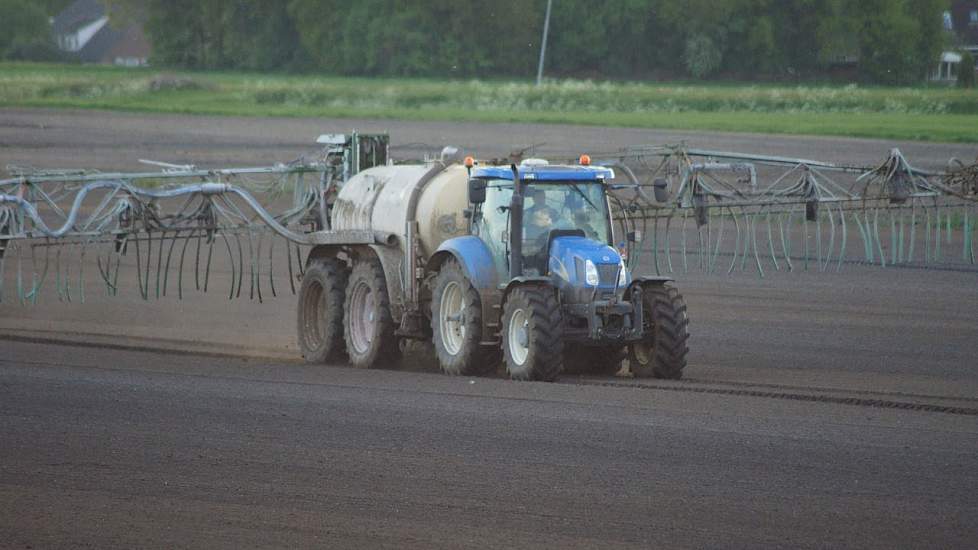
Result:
386,199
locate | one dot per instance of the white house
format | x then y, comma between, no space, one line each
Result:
961,22
83,30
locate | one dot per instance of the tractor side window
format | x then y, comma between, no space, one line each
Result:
493,226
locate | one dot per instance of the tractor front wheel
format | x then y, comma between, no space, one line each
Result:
662,351
533,343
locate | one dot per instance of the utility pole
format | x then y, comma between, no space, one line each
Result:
543,43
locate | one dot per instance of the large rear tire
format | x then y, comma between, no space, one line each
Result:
662,352
533,344
368,326
320,311
456,324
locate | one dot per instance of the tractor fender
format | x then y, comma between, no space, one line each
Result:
319,251
651,280
520,281
641,281
478,265
391,259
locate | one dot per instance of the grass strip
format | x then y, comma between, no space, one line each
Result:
920,114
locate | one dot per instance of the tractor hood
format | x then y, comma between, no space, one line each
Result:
569,258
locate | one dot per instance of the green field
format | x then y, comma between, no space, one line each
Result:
928,114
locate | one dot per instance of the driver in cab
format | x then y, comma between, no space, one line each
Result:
539,214
540,219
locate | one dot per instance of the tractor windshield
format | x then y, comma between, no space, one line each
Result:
548,206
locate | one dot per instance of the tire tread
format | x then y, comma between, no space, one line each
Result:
384,348
473,359
669,333
332,275
546,338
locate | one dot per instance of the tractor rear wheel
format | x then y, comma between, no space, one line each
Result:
320,311
532,331
456,324
662,352
368,326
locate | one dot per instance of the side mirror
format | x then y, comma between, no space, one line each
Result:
477,191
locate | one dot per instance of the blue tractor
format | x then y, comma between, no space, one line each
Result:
539,280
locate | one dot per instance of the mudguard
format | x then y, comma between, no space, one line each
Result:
522,281
652,280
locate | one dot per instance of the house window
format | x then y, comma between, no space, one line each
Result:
973,17
948,22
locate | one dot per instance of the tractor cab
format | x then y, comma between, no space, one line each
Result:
541,220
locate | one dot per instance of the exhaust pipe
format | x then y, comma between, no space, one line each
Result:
516,226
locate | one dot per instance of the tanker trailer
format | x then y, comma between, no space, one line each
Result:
458,259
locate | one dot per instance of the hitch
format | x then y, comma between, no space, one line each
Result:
603,315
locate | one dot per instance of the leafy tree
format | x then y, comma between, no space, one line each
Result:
702,56
966,70
887,53
241,34
25,32
837,33
414,37
931,38
261,35
896,41
696,34
318,24
796,34
53,7
597,38
750,39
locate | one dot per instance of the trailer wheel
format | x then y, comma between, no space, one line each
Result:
456,324
320,311
532,330
662,353
602,360
368,326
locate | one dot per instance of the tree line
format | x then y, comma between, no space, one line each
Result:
893,41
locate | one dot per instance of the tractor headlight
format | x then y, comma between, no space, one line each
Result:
622,275
591,273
